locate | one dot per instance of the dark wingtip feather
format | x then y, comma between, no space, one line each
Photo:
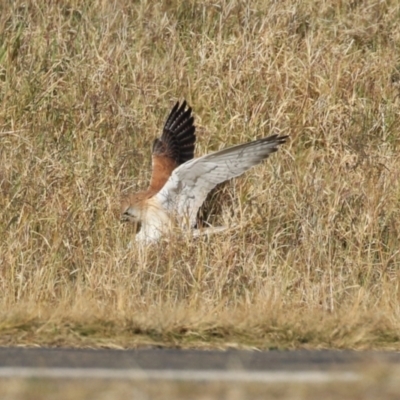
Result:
179,133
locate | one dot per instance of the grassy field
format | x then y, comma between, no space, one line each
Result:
314,260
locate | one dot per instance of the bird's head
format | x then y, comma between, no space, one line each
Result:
131,214
132,208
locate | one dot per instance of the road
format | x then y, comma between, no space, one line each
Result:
191,365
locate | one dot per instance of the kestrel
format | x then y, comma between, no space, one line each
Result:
180,183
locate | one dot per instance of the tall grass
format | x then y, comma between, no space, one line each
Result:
85,87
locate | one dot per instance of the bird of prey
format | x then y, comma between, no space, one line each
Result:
180,183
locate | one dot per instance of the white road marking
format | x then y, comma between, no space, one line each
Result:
181,375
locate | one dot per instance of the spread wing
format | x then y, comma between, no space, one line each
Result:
174,147
189,184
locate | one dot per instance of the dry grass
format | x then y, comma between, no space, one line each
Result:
85,88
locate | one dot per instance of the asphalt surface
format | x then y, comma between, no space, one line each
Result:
188,360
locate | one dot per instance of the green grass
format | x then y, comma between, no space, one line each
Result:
84,90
